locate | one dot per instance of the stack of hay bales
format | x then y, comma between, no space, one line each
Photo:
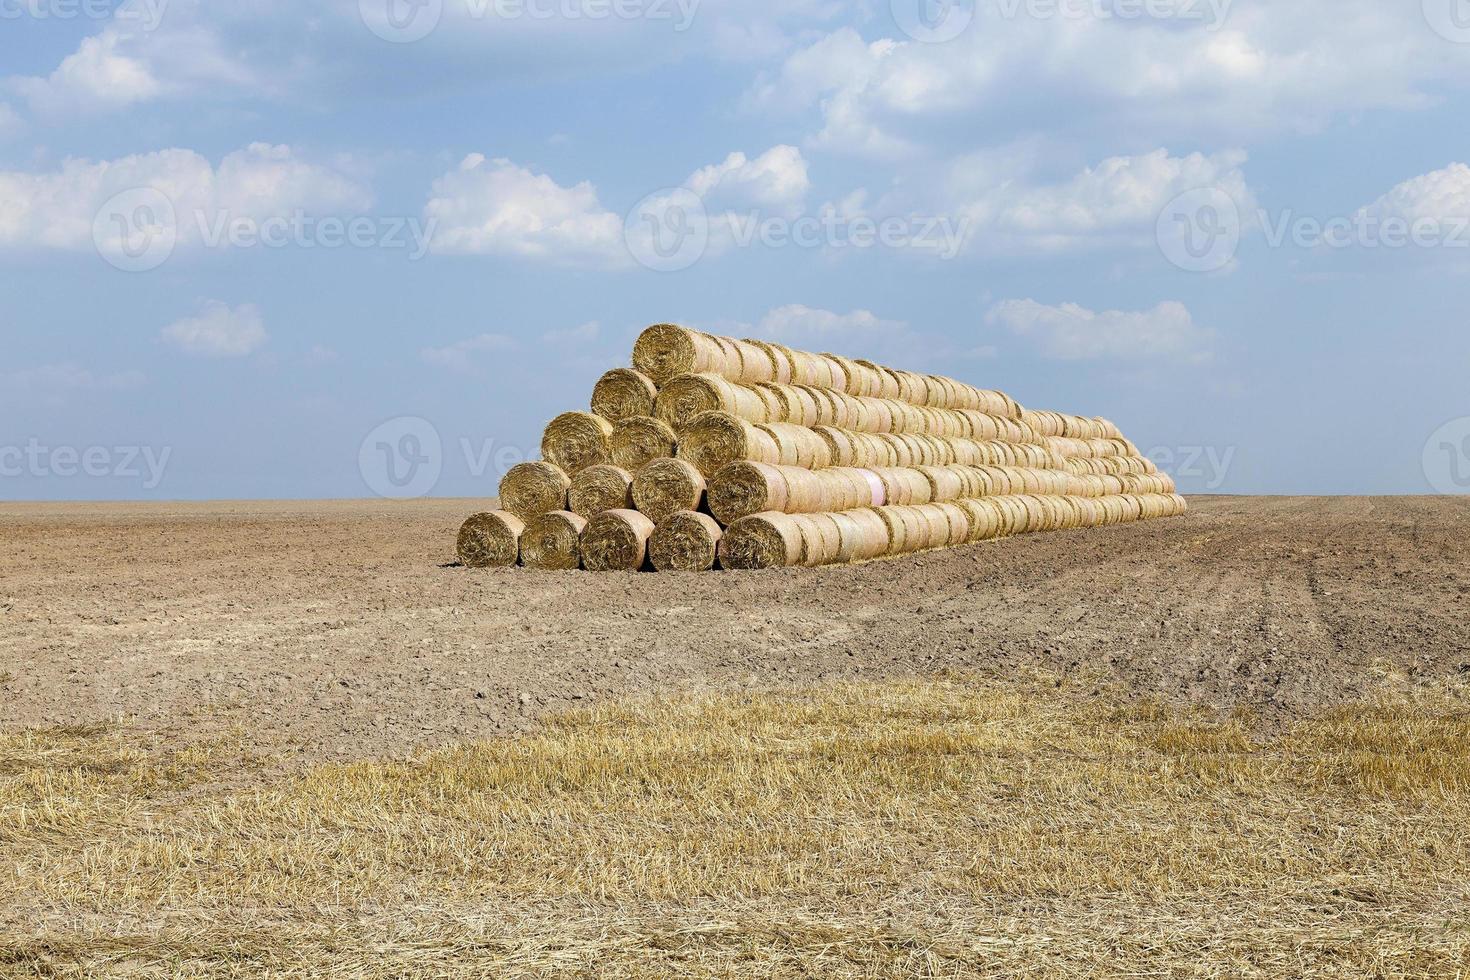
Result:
713,452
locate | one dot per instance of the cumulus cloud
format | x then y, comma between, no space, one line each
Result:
154,50
218,331
96,76
1072,333
1268,66
494,207
10,122
463,357
497,207
61,209
777,179
1436,196
1116,203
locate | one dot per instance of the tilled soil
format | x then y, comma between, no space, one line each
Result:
343,628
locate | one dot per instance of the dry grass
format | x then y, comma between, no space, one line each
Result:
925,830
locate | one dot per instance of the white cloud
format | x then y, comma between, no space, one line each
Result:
777,179
494,207
1116,203
158,49
797,321
1436,196
10,122
52,384
59,209
218,331
462,357
1270,66
96,76
497,207
580,335
1071,333
276,50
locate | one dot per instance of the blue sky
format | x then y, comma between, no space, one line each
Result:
240,242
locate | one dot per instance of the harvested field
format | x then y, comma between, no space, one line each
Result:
328,627
1231,745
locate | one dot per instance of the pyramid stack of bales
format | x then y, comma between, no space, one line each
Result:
740,454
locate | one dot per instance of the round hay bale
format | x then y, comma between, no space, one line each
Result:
690,395
638,441
666,350
797,445
600,488
616,541
959,524
552,542
666,486
532,489
744,488
686,542
780,362
577,440
490,540
869,535
821,539
716,439
761,541
623,394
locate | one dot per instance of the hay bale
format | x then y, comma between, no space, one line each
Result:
666,486
552,542
743,488
600,488
577,440
716,439
761,541
623,394
490,540
638,441
616,541
688,396
532,489
686,542
666,350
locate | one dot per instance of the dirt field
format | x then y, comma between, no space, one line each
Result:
340,629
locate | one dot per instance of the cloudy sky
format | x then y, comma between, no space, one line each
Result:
257,248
